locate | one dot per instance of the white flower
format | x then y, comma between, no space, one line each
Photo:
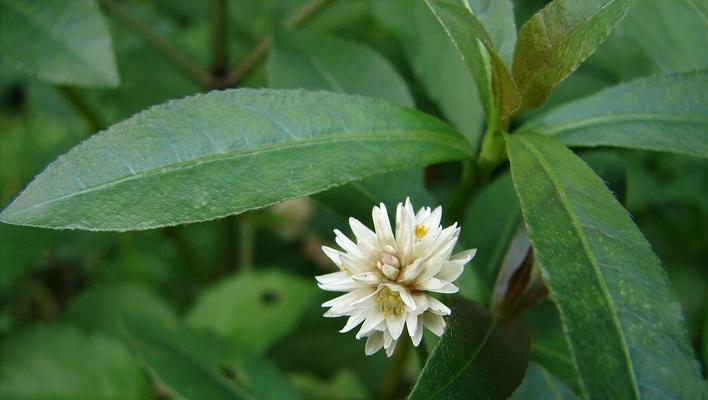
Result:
388,278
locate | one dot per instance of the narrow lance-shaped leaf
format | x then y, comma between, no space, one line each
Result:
317,61
662,113
435,62
622,322
557,39
226,152
60,41
480,356
497,89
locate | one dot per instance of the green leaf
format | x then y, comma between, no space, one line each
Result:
549,348
178,369
497,90
557,39
435,62
670,32
489,224
59,362
357,198
479,356
61,41
539,384
621,320
497,17
226,152
317,61
255,309
661,113
102,308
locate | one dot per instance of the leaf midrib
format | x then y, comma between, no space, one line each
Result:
587,250
50,34
608,119
417,135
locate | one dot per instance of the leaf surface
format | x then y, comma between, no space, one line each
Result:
478,356
557,39
60,41
254,310
226,152
436,63
317,61
497,90
59,362
661,113
622,322
540,384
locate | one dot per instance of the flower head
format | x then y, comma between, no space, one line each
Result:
388,278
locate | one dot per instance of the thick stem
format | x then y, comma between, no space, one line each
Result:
252,58
167,49
219,39
394,376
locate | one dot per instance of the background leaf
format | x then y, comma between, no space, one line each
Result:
254,310
479,356
435,63
557,39
317,61
43,363
661,113
62,41
621,320
497,90
178,369
539,384
670,32
169,165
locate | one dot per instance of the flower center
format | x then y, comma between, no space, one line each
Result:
390,302
420,231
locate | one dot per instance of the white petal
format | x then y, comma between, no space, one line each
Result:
437,307
411,271
333,277
372,319
354,264
395,324
390,348
342,285
437,286
389,271
411,323
382,225
333,255
416,338
404,293
422,214
370,278
422,302
405,230
350,298
450,271
374,343
361,232
434,323
344,242
352,322
387,338
464,256
432,220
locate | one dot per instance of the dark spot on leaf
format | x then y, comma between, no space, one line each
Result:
268,297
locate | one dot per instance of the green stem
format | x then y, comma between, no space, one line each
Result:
219,39
247,241
167,49
252,58
394,376
94,121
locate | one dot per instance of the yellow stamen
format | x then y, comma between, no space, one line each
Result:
420,231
